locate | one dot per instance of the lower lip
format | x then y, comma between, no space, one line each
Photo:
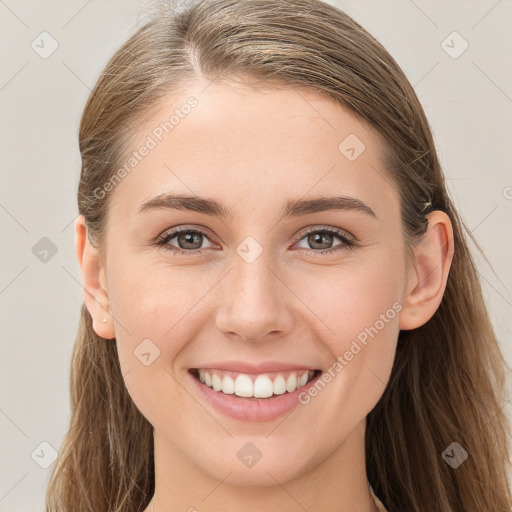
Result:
248,409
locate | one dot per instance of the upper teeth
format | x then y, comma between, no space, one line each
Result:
262,387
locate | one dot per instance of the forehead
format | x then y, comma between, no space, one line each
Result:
249,146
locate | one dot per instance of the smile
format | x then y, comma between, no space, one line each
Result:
253,397
263,385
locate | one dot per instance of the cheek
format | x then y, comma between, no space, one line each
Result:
154,331
356,310
159,310
150,298
348,298
150,323
361,309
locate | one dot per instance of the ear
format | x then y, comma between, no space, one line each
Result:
93,281
427,277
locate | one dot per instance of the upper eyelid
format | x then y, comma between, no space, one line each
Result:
172,232
328,229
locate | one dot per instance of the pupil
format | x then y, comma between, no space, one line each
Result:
317,237
190,238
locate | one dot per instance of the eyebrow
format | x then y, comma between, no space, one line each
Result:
292,208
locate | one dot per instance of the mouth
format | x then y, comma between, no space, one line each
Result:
254,387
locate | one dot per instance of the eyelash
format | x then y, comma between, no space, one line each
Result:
348,242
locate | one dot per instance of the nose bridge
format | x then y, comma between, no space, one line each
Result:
253,280
253,302
252,270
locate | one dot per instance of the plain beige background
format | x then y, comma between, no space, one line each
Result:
466,93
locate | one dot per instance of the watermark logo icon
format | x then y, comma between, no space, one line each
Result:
44,250
454,45
454,455
249,249
351,147
44,45
44,455
249,455
146,352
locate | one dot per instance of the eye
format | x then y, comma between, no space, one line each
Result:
323,239
187,240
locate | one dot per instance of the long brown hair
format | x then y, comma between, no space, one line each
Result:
447,382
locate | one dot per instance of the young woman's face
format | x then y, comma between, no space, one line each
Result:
259,291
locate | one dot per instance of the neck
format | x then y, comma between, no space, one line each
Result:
338,482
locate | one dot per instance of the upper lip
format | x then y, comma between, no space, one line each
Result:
243,367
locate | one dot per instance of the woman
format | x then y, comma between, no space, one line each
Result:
281,311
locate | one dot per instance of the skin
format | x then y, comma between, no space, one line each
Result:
238,144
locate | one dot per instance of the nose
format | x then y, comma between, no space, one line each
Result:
255,301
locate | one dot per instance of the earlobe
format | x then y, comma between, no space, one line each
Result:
427,278
93,281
